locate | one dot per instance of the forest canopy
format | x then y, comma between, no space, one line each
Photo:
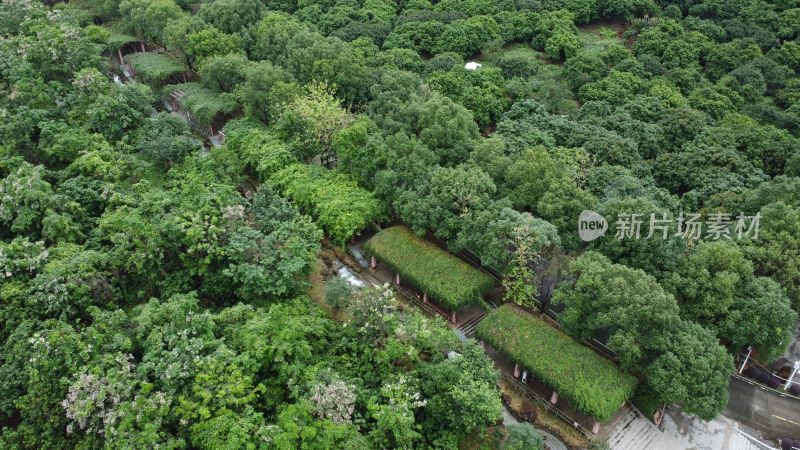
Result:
161,229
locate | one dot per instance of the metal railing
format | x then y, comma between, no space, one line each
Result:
545,404
785,383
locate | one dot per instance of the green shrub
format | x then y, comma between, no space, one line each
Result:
338,292
262,152
448,280
335,201
518,64
591,383
523,436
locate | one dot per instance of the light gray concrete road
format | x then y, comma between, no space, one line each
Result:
773,414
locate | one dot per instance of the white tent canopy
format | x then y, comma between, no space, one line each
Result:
472,65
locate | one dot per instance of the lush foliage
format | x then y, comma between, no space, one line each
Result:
647,333
448,280
204,105
663,108
336,203
155,68
146,303
588,381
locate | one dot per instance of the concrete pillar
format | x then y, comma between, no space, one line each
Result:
596,427
119,52
453,317
525,376
425,298
373,263
397,278
516,370
142,44
554,398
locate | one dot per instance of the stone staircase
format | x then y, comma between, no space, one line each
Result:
468,327
634,432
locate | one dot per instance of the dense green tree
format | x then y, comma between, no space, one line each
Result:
616,88
206,43
495,235
692,371
446,128
440,201
762,318
167,140
224,73
273,258
460,394
260,78
466,37
231,16
628,302
60,143
555,33
313,119
641,234
480,91
25,197
148,18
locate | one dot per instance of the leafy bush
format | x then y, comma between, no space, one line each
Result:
523,436
447,279
591,383
335,201
338,292
518,64
262,152
155,68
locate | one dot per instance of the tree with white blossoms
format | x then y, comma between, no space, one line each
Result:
372,312
394,413
334,401
21,257
93,399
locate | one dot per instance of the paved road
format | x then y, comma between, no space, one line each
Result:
774,415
